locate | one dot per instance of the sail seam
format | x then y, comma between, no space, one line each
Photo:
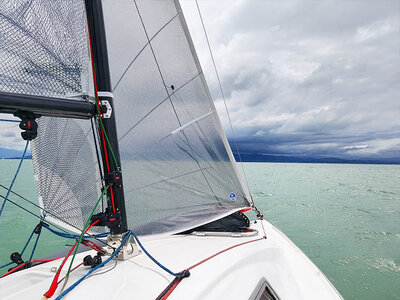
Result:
155,107
141,50
170,100
156,61
214,151
168,179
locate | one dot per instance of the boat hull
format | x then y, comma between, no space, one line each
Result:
237,273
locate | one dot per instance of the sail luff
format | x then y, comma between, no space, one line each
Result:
220,128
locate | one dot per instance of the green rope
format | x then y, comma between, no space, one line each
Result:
83,232
108,143
106,136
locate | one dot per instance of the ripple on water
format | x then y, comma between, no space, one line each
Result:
343,261
384,264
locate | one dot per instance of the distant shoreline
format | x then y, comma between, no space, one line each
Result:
326,160
300,161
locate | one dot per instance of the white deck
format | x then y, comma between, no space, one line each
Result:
231,275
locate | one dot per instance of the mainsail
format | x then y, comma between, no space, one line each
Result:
178,170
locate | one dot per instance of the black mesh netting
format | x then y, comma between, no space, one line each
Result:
66,170
43,47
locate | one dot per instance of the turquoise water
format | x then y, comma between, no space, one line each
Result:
346,218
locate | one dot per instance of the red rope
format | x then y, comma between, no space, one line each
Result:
22,265
73,269
170,290
98,106
54,283
220,252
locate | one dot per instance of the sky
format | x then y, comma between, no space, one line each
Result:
305,78
301,78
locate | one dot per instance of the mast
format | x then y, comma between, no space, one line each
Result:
116,203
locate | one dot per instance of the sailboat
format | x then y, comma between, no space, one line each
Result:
131,162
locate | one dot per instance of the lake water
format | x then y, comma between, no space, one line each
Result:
346,218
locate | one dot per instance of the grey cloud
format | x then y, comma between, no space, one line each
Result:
307,76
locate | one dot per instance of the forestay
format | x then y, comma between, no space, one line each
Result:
178,169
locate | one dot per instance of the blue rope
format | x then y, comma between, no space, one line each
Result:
23,249
95,268
3,266
72,236
182,274
15,177
27,242
34,246
14,121
61,234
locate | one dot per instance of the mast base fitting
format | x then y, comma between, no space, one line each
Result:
129,250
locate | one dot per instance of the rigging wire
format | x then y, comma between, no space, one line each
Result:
6,120
85,229
105,271
15,177
172,103
55,281
103,130
38,261
73,269
23,250
209,144
95,268
95,139
66,233
222,92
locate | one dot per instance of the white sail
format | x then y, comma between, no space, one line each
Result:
44,51
177,166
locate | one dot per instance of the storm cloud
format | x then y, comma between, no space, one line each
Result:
316,78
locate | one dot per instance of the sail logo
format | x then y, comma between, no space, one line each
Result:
232,196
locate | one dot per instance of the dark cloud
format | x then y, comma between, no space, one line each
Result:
306,77
301,77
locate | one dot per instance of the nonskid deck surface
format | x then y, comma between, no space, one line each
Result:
234,274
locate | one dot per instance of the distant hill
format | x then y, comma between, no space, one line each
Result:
11,153
255,157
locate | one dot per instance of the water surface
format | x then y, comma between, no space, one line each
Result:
346,218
